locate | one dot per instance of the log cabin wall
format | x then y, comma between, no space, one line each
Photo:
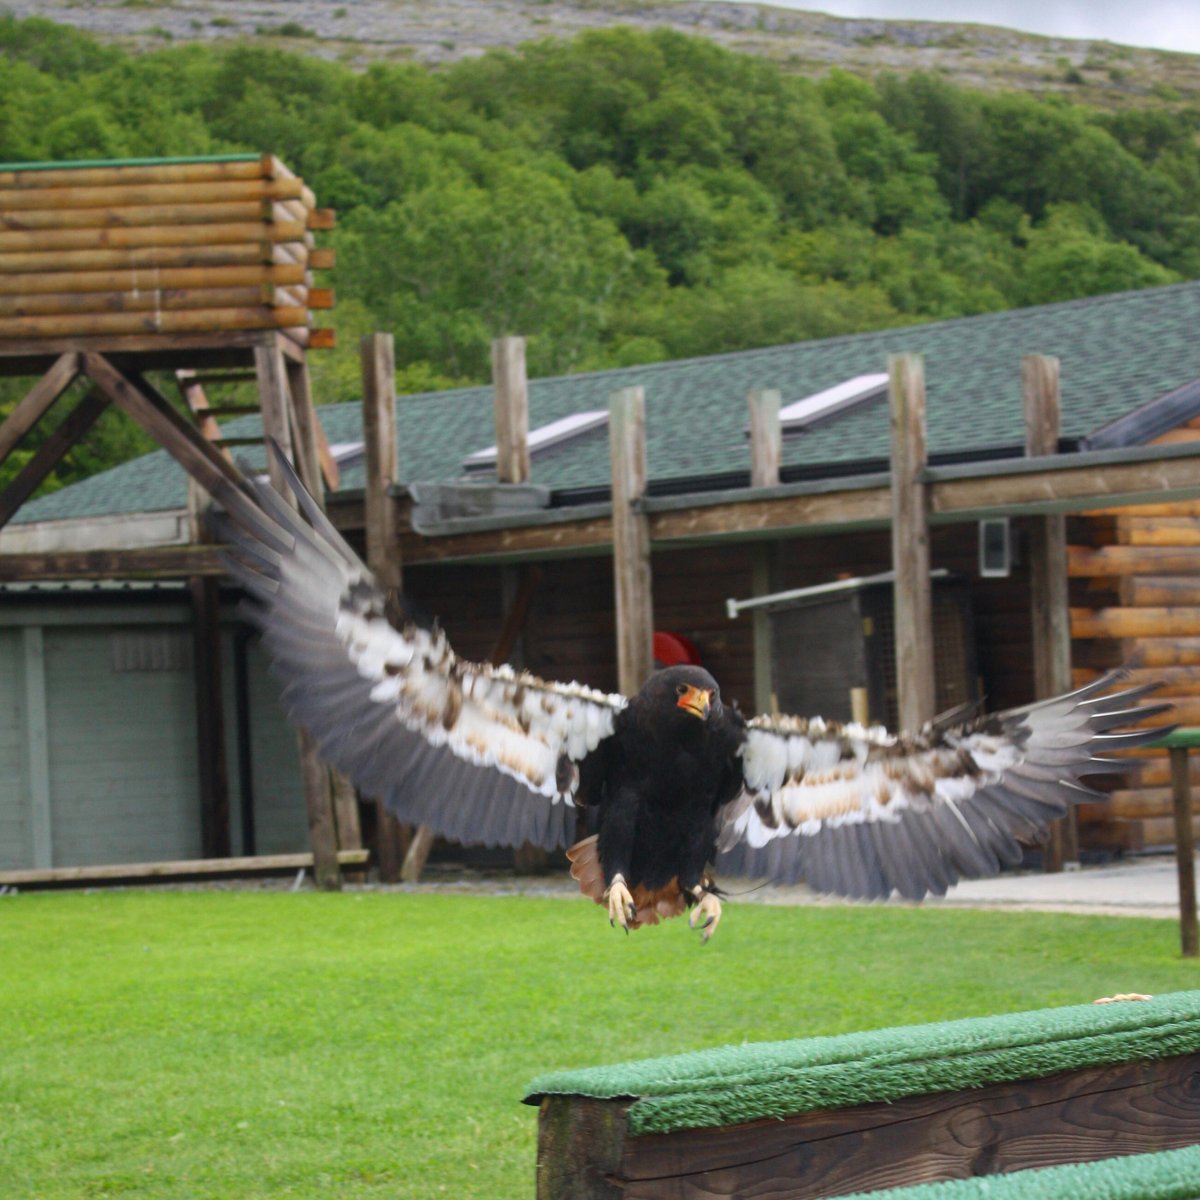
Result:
1135,593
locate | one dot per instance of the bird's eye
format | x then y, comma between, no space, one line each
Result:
681,689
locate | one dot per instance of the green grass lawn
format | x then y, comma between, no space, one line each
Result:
257,1044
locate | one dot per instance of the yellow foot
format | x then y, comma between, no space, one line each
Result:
707,907
621,908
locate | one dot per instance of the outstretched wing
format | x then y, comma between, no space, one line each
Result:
860,812
481,754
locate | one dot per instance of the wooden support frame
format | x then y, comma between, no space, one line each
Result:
37,402
631,539
910,544
1049,602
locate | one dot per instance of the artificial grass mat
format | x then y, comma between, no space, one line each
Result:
1166,1175
733,1084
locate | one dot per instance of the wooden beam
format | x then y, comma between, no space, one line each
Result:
511,403
51,452
160,320
766,438
20,241
128,216
305,440
122,174
910,544
189,868
37,402
19,199
130,281
631,540
250,295
157,562
1049,604
148,258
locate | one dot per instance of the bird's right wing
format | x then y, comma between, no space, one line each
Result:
481,754
861,812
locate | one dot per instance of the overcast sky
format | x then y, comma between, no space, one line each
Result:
1165,24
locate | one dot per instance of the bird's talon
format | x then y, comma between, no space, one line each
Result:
621,908
708,908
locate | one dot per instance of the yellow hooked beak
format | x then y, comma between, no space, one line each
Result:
695,700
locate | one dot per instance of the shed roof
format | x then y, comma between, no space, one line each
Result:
1120,354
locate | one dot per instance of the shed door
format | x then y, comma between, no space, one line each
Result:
122,734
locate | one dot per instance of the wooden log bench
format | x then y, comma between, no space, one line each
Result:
862,1112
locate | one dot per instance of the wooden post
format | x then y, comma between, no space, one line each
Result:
1050,605
273,397
1185,849
511,390
631,539
318,794
307,440
910,543
377,358
766,453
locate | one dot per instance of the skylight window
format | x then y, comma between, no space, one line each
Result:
802,414
554,434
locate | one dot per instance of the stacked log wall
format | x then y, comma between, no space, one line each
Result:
159,247
1135,597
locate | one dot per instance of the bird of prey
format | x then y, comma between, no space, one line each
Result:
659,788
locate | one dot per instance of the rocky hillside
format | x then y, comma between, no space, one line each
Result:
435,31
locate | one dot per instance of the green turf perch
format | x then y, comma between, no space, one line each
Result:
828,1116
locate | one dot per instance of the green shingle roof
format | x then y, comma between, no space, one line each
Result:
1118,353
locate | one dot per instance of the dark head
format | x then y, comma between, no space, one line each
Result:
690,690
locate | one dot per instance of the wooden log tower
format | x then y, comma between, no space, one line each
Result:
122,273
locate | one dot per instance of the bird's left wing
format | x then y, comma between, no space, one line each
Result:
481,754
860,812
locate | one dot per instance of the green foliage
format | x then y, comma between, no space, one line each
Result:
629,196
195,1046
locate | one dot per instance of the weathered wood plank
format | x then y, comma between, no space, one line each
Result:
510,391
147,258
165,562
129,216
631,540
123,174
766,437
57,303
186,868
136,281
18,199
1119,622
910,543
37,402
156,320
22,241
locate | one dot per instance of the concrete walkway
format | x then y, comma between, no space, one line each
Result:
1140,887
